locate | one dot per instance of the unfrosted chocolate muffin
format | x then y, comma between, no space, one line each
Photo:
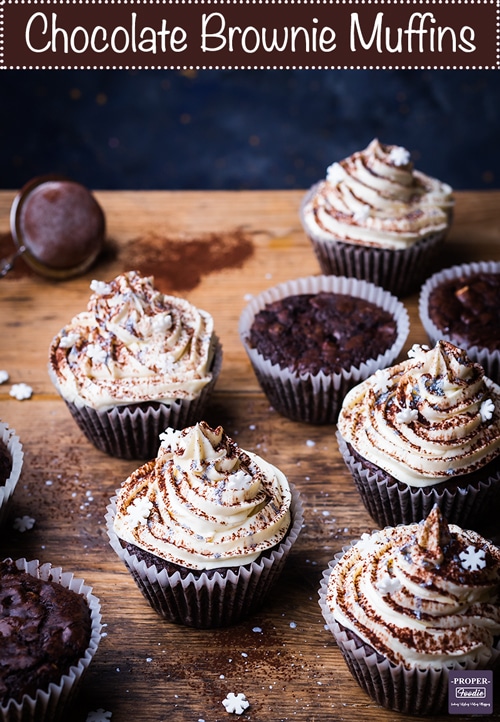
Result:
467,309
324,332
46,628
5,463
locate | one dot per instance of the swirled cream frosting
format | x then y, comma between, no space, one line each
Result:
422,595
204,502
376,197
429,418
133,344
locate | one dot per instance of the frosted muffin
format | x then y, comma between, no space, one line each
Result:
408,604
11,464
376,217
311,339
134,363
51,629
205,527
424,432
461,304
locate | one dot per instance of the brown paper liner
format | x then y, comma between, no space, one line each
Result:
132,432
399,271
416,691
212,600
489,360
51,705
15,448
317,399
390,502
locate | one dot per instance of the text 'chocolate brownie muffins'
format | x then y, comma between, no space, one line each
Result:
134,363
409,604
376,217
51,629
461,304
424,432
311,339
205,528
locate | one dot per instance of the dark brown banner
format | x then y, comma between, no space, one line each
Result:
250,34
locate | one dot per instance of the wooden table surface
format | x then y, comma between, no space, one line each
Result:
214,248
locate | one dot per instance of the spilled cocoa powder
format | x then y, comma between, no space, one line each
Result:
179,262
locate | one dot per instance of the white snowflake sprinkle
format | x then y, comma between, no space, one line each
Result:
4,376
335,173
99,715
23,523
487,409
473,558
96,353
310,442
68,340
417,351
138,511
235,703
381,381
361,214
388,584
399,156
100,287
21,391
257,629
406,416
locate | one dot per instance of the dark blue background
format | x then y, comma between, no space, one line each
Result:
243,129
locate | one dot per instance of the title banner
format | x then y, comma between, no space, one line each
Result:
250,34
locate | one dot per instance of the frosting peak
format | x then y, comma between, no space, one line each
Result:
204,502
427,418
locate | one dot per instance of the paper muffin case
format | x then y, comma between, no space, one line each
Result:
132,432
51,705
15,449
209,600
317,399
399,271
489,360
415,691
390,502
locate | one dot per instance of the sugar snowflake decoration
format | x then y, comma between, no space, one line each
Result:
4,376
335,173
21,391
473,558
23,523
68,340
388,584
399,156
100,287
486,410
361,214
406,416
99,715
235,703
381,381
138,511
96,353
417,351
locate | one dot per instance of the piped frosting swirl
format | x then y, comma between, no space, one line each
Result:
422,594
375,197
133,344
204,502
426,419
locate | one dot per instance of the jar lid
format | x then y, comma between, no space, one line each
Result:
57,225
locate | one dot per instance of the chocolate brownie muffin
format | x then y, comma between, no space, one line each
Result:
11,464
462,305
312,339
205,528
45,629
5,463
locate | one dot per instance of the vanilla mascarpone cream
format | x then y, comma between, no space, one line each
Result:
204,502
429,418
133,344
375,197
422,595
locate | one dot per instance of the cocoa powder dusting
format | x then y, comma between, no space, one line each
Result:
179,262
